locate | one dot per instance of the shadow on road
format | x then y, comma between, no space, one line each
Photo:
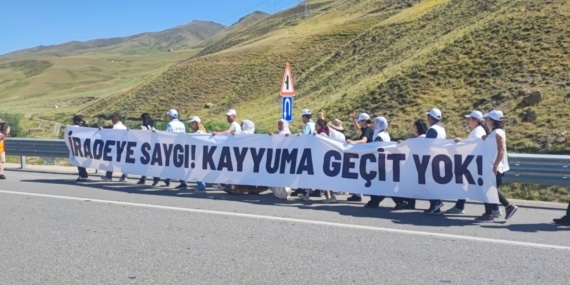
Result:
407,217
530,228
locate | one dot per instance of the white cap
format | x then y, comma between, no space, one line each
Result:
362,117
173,113
305,112
496,115
435,113
195,119
475,115
231,112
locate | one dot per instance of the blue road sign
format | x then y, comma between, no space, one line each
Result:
287,108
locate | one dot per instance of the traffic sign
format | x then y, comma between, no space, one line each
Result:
287,88
287,108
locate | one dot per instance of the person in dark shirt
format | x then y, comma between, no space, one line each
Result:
83,176
565,220
419,130
362,123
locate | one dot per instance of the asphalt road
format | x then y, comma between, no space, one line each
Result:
56,231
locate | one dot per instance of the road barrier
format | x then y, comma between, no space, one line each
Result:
47,148
542,169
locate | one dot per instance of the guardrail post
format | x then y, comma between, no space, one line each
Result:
23,161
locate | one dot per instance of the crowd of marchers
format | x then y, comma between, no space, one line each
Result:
489,126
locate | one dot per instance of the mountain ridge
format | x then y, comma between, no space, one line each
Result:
189,35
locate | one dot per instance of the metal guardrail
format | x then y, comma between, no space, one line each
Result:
36,147
542,169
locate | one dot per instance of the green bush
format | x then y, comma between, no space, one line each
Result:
14,121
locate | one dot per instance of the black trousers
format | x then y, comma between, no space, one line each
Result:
411,202
109,174
460,204
167,181
82,172
490,207
568,210
376,200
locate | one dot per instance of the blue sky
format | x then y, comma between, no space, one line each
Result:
30,23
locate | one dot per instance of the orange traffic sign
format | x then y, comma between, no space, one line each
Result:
287,88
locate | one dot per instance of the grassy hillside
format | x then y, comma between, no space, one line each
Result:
385,57
66,85
474,54
56,81
249,73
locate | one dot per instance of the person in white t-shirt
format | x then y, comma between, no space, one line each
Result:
336,130
117,125
235,128
196,126
497,137
175,126
479,130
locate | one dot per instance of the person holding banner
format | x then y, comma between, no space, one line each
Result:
321,128
247,127
175,126
117,125
479,130
435,131
308,129
82,171
336,130
494,121
235,128
147,125
380,135
362,123
419,129
308,123
196,126
283,130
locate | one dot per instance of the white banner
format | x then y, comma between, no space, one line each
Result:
415,168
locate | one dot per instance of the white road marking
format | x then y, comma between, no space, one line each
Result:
300,221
